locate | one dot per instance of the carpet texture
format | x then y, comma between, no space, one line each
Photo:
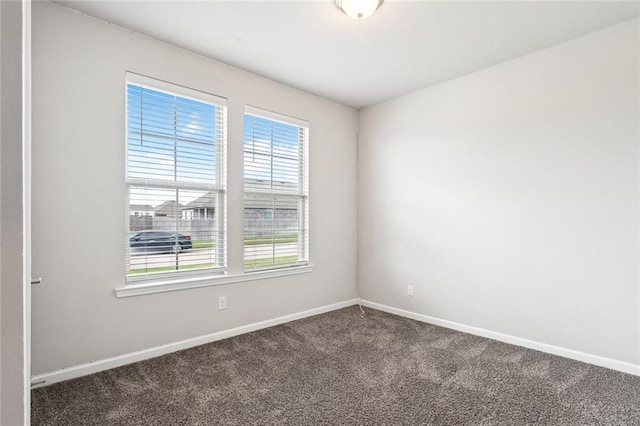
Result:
341,369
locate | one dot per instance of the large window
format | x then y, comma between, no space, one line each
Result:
276,224
175,179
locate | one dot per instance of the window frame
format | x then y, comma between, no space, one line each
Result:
302,197
219,187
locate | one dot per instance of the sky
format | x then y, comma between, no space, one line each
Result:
173,138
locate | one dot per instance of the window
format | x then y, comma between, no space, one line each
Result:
276,190
175,179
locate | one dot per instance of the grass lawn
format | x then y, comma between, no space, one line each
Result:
279,239
256,263
203,244
170,268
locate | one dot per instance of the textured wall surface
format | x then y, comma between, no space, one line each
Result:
509,198
79,66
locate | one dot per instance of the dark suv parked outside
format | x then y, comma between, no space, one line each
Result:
155,241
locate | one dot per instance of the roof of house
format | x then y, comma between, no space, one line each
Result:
208,201
141,207
168,208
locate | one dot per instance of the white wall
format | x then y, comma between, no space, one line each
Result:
509,197
13,390
79,66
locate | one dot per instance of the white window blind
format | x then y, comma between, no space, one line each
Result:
175,179
276,190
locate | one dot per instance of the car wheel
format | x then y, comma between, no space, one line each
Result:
177,248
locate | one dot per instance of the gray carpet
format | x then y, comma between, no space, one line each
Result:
341,369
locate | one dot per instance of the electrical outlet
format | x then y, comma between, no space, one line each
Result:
410,290
222,303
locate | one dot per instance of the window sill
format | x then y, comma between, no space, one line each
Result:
206,281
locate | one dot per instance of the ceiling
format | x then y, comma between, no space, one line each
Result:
311,45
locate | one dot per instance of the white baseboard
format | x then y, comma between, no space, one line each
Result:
600,361
117,361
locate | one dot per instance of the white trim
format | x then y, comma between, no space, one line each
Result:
625,367
26,199
162,277
172,184
277,267
206,281
117,361
275,116
174,89
638,180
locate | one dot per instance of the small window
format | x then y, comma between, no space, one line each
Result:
276,190
176,141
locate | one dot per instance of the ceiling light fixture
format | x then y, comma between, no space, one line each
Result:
359,9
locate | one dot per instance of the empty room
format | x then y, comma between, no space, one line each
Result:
329,212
